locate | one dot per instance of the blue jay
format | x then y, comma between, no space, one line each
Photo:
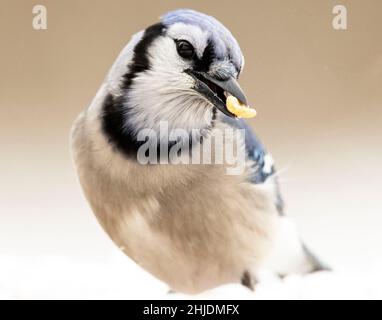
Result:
194,227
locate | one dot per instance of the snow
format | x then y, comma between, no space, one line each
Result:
117,277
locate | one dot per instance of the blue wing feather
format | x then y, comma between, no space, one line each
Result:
256,152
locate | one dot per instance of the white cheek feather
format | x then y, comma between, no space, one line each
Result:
164,93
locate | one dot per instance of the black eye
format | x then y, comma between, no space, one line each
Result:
185,49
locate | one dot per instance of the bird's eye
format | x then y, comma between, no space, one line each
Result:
185,49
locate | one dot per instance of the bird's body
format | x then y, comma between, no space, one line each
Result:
192,225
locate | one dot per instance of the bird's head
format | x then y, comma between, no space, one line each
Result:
179,70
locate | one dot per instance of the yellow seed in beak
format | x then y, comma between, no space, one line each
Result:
239,110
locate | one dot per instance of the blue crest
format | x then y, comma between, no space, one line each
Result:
224,42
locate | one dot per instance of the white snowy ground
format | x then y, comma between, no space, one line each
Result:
119,278
68,256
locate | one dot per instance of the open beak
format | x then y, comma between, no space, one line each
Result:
226,95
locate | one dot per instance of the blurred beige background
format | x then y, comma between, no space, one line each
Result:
317,91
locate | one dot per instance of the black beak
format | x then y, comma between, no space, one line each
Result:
231,86
215,90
